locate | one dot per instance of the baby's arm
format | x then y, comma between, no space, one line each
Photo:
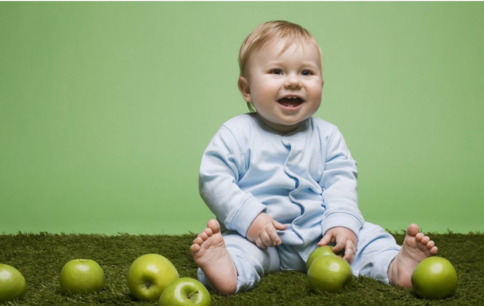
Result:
223,164
342,219
263,233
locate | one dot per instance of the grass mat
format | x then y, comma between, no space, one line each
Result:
40,258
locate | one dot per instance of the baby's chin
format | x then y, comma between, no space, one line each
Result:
294,120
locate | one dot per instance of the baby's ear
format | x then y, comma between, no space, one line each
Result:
244,88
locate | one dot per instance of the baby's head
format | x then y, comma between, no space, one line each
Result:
281,74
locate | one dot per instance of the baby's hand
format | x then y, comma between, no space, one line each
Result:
263,233
344,238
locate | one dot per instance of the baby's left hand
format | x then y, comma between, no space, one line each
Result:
344,239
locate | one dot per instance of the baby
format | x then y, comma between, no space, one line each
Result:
282,183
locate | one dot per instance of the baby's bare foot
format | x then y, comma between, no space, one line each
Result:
210,254
416,247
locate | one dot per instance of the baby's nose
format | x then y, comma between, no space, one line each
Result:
292,82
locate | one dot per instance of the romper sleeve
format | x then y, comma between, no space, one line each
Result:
340,196
221,168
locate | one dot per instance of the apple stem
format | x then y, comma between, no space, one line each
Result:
191,294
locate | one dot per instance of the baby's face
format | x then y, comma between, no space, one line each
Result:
285,89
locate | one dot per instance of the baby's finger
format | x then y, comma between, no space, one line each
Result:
349,257
266,239
271,231
350,251
326,239
340,244
278,225
258,242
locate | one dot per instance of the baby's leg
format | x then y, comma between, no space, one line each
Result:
247,265
375,251
416,247
210,254
378,256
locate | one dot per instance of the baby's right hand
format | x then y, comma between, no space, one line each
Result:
263,233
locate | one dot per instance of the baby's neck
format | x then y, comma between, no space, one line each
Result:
280,129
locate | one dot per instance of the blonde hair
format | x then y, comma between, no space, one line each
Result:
268,33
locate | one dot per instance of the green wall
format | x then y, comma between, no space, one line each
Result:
106,108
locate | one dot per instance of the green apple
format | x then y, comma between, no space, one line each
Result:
329,273
185,291
149,275
81,276
12,283
434,278
320,251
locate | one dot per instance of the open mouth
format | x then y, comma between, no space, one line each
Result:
290,102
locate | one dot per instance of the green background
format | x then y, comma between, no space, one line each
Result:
106,108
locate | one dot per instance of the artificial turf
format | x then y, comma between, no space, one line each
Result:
40,258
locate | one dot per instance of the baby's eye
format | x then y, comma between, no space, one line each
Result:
307,72
276,71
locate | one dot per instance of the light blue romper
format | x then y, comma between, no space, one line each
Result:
305,179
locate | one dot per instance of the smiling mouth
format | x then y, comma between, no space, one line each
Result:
290,102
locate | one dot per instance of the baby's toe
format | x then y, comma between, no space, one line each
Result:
203,236
419,237
213,225
195,248
425,240
430,244
434,251
412,229
198,241
208,231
